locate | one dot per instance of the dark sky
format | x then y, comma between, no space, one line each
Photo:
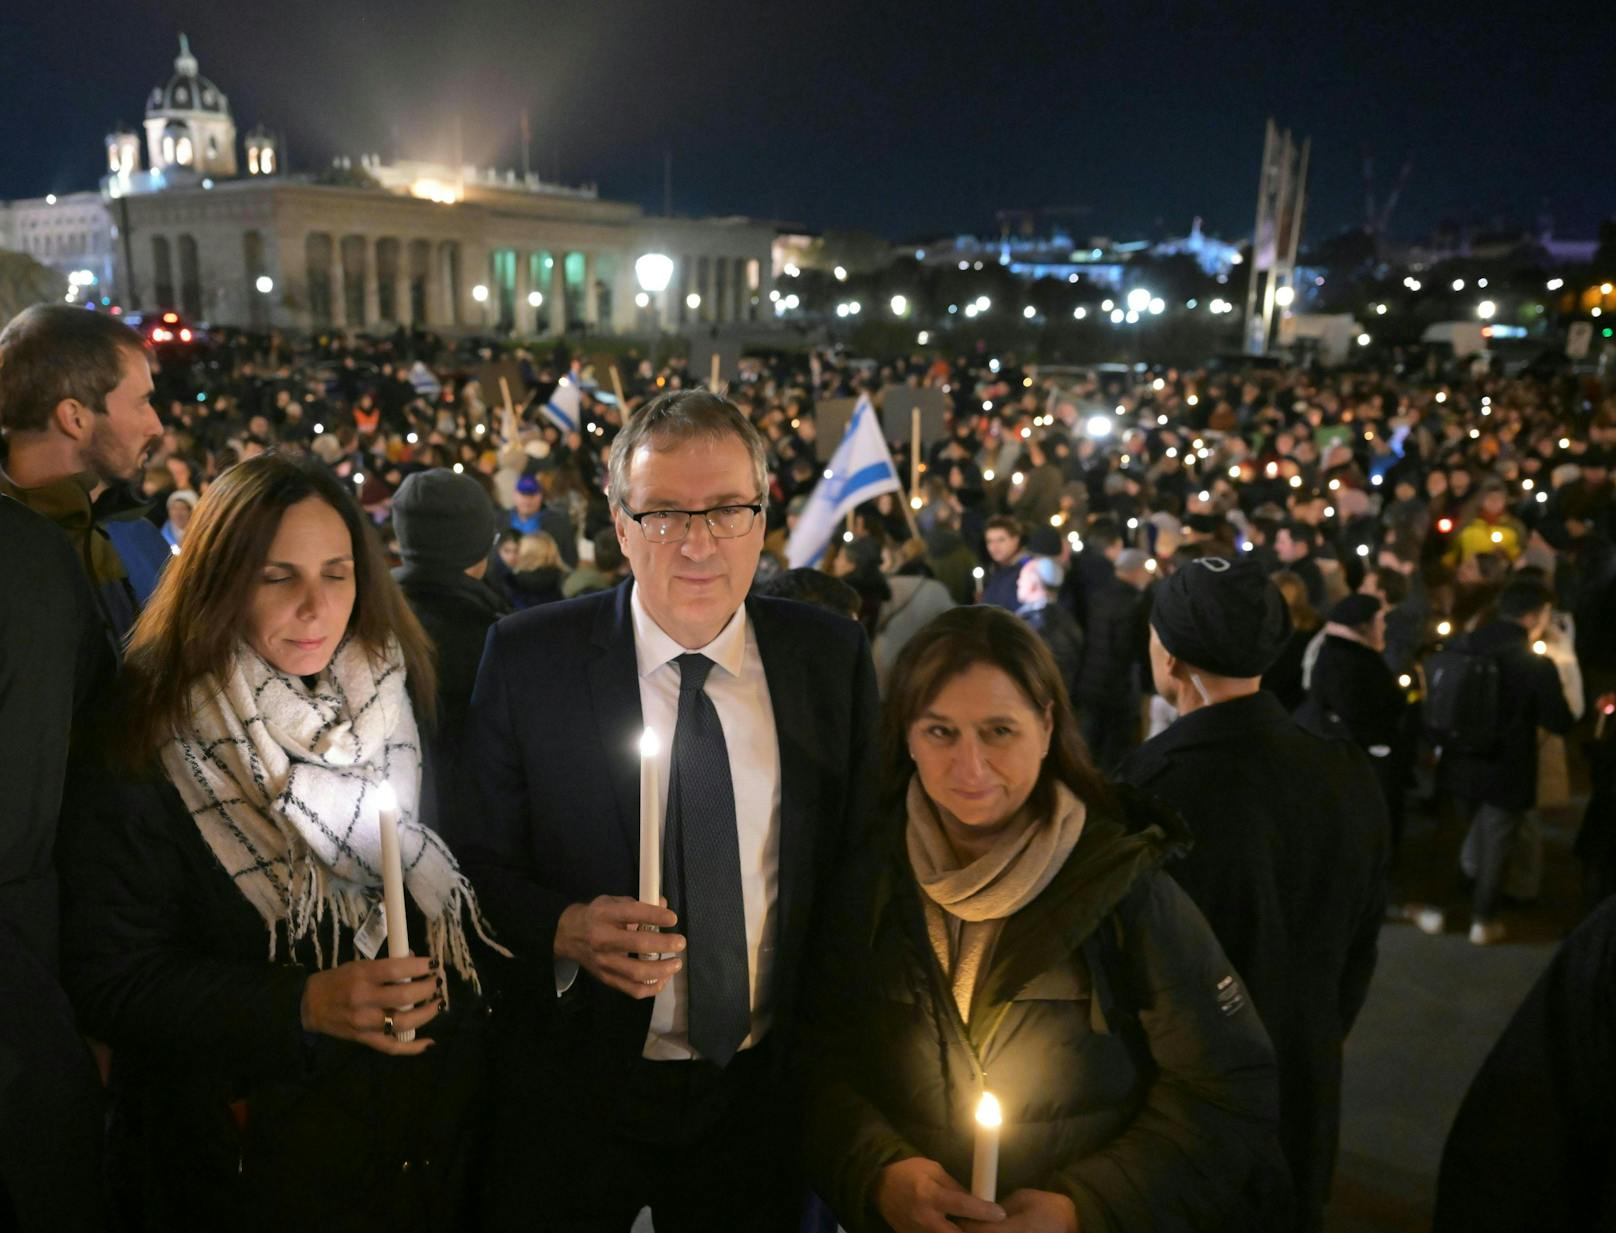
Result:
907,119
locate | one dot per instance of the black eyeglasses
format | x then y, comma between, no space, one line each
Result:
669,526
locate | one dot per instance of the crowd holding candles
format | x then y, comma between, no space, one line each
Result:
954,929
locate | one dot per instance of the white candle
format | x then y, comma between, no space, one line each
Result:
398,930
985,1163
650,819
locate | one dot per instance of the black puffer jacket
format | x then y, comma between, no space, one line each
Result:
226,1115
1134,1075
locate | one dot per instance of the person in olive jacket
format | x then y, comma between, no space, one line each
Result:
1011,932
223,887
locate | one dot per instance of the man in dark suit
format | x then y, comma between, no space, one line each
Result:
628,1079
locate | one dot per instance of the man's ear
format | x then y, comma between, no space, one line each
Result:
72,418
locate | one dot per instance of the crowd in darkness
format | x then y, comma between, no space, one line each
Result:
1173,611
1063,496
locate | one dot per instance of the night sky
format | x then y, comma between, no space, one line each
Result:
906,119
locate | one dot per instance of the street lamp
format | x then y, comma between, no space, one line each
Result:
654,271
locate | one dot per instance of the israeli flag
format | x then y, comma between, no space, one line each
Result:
563,407
860,470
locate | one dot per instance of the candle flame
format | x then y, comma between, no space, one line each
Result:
386,798
987,1110
650,743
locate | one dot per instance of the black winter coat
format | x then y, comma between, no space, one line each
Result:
1289,866
1063,636
1530,698
456,612
1353,694
1116,639
226,1114
1141,1087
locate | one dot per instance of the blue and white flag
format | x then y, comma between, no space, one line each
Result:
861,470
563,407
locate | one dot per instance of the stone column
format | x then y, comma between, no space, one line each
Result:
591,292
372,277
743,292
558,291
339,285
403,286
524,310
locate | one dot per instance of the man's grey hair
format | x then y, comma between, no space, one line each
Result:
677,417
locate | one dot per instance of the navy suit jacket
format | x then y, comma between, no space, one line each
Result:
550,790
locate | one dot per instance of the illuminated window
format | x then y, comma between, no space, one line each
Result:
183,151
252,160
266,161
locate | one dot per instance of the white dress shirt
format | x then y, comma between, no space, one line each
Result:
740,694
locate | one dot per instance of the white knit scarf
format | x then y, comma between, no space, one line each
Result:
281,779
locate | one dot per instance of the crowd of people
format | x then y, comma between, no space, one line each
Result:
1077,772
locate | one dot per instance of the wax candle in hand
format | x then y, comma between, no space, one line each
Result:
398,930
650,819
985,1163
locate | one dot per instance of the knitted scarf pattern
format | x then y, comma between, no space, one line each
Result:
282,780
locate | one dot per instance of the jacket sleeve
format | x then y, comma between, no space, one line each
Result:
135,970
1206,1129
490,828
1553,712
847,1140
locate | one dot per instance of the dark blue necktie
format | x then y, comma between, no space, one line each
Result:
702,856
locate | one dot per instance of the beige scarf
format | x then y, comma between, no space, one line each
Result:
967,906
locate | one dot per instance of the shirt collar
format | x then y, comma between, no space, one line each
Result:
653,647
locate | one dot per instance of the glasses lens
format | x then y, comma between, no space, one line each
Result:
730,521
665,528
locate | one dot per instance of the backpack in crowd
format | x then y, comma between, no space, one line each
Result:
1462,710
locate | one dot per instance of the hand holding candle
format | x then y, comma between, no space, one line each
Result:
985,1162
398,936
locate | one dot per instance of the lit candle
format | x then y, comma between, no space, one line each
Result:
398,930
985,1163
650,820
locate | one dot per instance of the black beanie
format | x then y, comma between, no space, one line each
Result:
443,521
1356,609
1222,616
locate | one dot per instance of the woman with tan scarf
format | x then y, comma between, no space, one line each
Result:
1011,932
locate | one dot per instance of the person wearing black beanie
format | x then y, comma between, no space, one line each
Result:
1290,831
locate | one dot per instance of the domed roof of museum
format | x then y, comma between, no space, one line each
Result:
187,89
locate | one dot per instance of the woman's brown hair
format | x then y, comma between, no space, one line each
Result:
193,623
960,639
1304,619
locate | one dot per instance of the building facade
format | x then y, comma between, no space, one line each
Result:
370,246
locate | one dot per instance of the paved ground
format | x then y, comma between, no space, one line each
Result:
1434,1011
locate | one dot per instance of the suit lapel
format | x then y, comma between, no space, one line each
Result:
614,685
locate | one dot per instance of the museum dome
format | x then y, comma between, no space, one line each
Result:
187,89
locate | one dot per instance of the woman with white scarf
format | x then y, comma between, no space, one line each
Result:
223,881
